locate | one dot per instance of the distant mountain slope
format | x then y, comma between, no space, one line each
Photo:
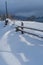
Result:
31,18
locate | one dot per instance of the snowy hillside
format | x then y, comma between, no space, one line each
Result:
21,49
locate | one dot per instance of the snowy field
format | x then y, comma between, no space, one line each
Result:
20,49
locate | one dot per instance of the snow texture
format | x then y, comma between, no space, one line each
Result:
20,49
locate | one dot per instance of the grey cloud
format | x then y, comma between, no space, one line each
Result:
23,6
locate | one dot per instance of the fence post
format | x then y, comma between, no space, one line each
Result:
6,22
22,24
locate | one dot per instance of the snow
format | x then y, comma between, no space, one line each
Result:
24,57
24,40
32,24
18,49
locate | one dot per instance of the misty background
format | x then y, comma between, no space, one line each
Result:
22,7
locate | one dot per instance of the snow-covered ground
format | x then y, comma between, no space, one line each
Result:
18,49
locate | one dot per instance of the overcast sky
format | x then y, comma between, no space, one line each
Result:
23,7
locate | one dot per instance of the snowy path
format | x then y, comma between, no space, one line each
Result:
18,49
6,51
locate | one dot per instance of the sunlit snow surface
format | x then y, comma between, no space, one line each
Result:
18,49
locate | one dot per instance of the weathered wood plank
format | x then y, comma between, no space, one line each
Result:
22,31
30,28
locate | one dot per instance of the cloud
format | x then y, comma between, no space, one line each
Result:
19,7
